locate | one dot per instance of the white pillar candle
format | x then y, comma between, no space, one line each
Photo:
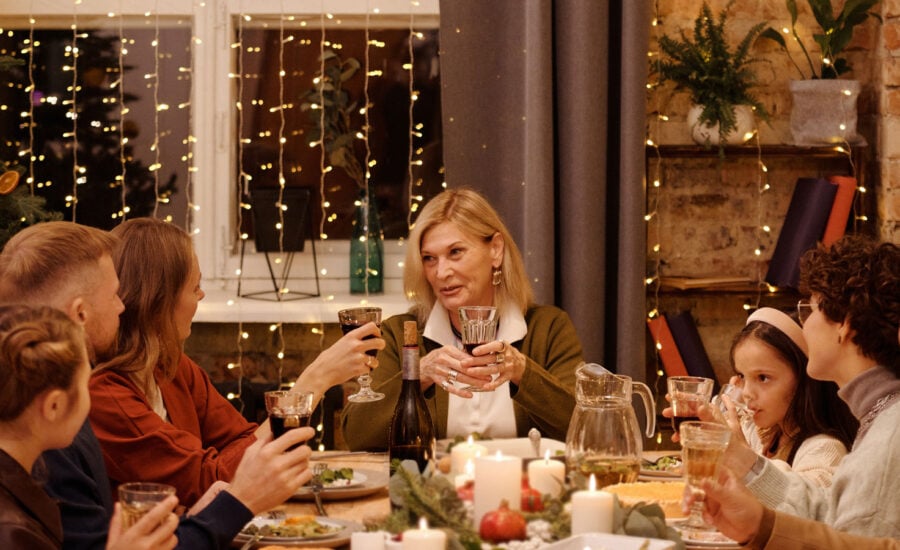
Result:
461,452
592,510
367,540
497,478
546,476
424,538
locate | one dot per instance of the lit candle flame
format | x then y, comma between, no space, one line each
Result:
423,523
547,456
592,484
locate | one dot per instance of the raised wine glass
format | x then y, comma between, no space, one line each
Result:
702,446
478,326
353,318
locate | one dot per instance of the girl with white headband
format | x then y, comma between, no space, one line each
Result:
797,422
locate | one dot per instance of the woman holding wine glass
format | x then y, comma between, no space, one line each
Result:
851,323
155,412
461,254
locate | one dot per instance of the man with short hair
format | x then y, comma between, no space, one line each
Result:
69,267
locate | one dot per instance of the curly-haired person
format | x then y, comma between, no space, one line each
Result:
851,322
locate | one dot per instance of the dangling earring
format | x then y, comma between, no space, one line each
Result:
497,276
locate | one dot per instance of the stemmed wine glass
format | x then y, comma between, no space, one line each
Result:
478,326
702,445
353,318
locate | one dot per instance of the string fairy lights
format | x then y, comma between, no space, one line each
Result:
759,248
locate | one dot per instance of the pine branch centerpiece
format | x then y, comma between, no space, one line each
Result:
434,497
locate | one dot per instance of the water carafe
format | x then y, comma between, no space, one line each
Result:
604,439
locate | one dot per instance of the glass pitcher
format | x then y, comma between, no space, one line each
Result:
604,438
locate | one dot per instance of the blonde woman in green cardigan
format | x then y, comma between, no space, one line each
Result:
461,254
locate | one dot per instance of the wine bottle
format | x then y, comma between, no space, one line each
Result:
412,431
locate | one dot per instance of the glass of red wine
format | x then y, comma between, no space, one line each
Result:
288,410
353,318
687,394
478,326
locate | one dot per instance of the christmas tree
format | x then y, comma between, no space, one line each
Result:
19,208
101,153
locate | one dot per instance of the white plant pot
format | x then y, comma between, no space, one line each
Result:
824,111
705,134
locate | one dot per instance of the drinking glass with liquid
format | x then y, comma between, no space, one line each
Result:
288,410
478,326
687,394
140,497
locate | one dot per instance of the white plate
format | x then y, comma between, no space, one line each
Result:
341,535
610,542
371,481
358,479
711,539
519,446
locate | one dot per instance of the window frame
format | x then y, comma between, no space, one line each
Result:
213,116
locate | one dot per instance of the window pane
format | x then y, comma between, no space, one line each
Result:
261,91
156,92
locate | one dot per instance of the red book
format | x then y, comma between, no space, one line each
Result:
840,210
668,351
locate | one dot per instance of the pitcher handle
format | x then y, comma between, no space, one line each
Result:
649,405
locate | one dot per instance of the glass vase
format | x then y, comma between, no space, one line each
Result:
366,249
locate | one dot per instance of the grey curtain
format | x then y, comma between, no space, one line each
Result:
543,112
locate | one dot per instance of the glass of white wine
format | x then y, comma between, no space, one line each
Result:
702,447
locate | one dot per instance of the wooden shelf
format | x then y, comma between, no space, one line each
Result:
766,150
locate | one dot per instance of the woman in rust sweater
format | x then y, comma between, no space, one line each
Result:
154,410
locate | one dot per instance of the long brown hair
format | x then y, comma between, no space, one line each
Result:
815,407
472,214
40,349
153,261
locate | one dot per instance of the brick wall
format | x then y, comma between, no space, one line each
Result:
708,211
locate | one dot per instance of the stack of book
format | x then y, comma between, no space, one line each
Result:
680,347
819,211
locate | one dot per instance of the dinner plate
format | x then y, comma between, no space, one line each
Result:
358,479
370,482
704,539
341,536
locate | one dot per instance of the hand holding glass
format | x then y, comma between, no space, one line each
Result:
288,410
138,498
737,397
351,319
478,326
687,394
702,447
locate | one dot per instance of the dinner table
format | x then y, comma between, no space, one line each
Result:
354,504
371,501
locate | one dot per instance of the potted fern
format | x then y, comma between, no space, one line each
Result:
824,106
719,78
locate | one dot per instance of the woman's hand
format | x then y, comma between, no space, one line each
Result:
500,359
731,507
154,531
344,360
446,367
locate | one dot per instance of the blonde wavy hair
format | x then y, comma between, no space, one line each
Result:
473,215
